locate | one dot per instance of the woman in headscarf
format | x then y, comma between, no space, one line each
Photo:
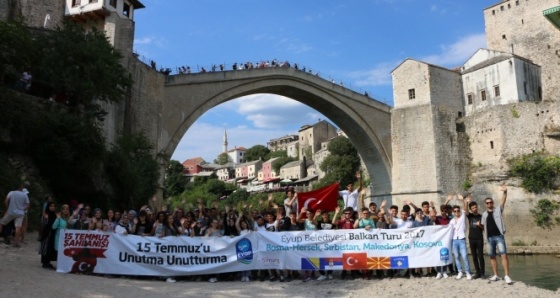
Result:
47,249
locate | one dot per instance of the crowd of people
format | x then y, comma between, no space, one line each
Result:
199,221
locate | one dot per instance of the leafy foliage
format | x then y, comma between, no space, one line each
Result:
543,212
539,171
133,170
223,159
255,153
175,180
280,162
342,164
16,49
82,64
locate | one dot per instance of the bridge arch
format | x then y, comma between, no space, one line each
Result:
366,122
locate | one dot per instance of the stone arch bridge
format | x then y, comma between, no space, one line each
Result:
366,122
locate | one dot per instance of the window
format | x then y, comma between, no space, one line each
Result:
469,98
525,87
502,8
76,2
497,90
483,95
113,3
491,144
411,94
504,36
126,10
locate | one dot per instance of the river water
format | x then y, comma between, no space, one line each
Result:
541,271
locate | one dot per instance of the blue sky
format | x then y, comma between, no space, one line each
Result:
357,42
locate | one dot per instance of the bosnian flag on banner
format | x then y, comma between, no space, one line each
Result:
325,198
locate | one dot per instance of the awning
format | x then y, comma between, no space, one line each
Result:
306,179
271,180
286,181
553,15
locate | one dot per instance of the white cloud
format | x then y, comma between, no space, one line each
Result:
273,111
266,117
380,75
458,52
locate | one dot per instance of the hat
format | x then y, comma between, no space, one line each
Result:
25,191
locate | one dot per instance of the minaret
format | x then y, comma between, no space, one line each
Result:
224,145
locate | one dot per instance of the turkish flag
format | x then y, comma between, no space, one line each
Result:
351,261
325,198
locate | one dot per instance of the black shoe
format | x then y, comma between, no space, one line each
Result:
343,275
476,276
288,279
272,279
261,278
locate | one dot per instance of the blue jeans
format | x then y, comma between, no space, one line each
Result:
460,250
497,242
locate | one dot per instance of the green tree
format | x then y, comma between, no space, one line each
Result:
175,180
539,171
215,186
223,159
277,153
81,63
342,163
16,49
133,170
544,211
255,153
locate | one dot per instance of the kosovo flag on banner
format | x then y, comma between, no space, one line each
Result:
325,198
379,263
399,262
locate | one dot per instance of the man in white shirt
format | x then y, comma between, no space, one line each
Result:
459,238
350,195
17,202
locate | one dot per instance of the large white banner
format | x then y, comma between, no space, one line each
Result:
355,249
110,253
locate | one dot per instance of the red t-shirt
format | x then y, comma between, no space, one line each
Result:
344,224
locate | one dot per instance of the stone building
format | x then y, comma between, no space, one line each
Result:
311,137
492,78
289,143
426,157
524,28
237,154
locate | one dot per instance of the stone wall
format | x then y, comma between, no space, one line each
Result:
502,132
33,11
519,27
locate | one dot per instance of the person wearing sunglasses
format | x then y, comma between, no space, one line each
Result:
495,229
459,242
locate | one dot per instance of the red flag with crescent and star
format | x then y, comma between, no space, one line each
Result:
325,198
357,260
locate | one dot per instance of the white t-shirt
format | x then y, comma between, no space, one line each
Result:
350,198
289,208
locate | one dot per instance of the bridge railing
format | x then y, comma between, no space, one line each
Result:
200,68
